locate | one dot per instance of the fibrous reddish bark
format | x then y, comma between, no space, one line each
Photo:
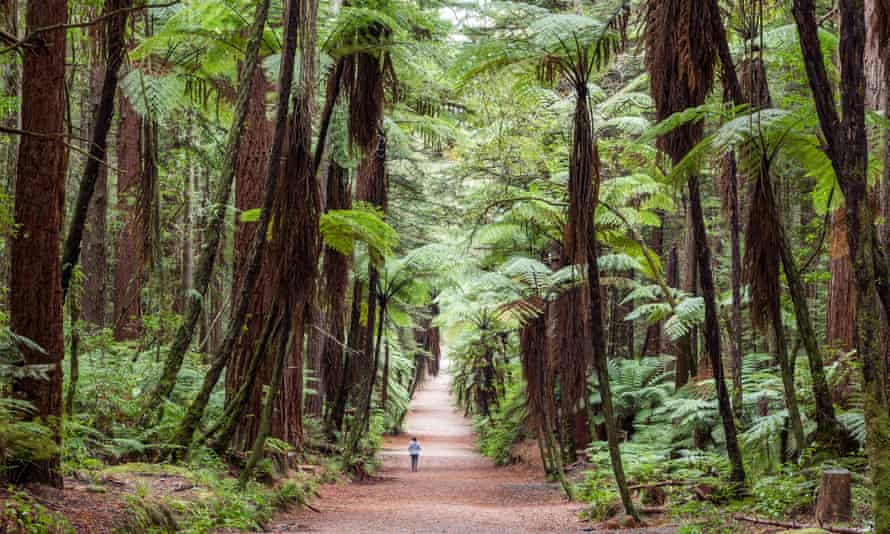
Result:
127,319
336,284
114,47
841,288
36,271
94,255
297,247
249,187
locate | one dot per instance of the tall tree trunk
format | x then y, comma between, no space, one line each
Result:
213,235
351,354
712,331
35,279
877,98
250,181
384,382
735,342
256,257
188,226
848,148
581,247
9,14
875,55
335,279
101,124
435,342
841,288
95,257
682,76
371,187
573,308
297,246
584,167
127,320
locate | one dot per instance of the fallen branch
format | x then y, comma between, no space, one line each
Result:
662,484
769,522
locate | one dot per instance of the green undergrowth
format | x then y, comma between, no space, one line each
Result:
104,439
22,513
213,499
675,438
503,427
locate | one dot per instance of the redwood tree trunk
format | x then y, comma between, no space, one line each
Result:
336,283
841,288
114,46
297,247
127,320
95,256
36,272
249,187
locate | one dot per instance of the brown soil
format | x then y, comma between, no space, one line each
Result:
100,506
456,489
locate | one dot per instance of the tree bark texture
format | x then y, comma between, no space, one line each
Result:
36,270
847,146
127,320
841,288
95,252
250,181
335,280
213,234
114,49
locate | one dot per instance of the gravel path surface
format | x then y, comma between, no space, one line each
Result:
456,490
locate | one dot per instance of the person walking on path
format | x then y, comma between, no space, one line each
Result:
414,449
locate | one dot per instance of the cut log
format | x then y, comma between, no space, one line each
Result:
834,503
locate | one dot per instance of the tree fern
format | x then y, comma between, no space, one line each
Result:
342,228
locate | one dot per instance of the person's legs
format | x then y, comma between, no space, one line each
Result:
414,458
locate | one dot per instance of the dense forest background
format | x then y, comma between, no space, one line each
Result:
649,237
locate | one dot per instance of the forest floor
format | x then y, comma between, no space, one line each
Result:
456,489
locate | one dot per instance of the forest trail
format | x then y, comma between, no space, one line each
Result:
456,489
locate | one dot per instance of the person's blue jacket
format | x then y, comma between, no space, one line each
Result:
414,448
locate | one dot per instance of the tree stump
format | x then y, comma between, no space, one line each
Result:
654,496
834,503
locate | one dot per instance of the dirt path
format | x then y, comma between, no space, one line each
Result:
456,490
